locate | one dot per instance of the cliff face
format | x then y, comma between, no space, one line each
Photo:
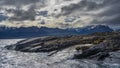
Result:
102,44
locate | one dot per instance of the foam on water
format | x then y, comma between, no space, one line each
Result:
14,59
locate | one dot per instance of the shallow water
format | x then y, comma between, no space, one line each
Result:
61,59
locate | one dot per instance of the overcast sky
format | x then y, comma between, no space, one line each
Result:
60,13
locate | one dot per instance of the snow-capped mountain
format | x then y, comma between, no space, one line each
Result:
94,28
13,32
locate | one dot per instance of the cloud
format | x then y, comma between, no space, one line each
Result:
105,12
111,14
20,2
83,5
2,18
21,9
56,11
20,15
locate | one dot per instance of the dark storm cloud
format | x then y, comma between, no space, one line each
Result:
110,14
20,15
100,11
19,2
79,7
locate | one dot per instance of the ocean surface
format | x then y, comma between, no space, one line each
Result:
61,59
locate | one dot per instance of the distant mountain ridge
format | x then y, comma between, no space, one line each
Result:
27,32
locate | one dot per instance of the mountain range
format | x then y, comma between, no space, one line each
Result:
28,32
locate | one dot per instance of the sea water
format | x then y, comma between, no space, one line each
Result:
61,59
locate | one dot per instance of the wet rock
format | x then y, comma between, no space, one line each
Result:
87,53
82,48
103,43
45,44
102,55
101,50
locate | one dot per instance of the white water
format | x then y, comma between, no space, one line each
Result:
13,59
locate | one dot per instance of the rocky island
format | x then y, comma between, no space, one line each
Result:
101,45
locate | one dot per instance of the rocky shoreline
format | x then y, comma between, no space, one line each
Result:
102,45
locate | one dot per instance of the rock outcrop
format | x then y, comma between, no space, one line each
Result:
103,43
101,50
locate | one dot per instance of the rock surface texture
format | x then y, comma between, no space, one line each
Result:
102,45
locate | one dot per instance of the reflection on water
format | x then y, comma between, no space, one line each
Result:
14,59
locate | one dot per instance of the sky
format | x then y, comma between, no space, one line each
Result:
59,13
